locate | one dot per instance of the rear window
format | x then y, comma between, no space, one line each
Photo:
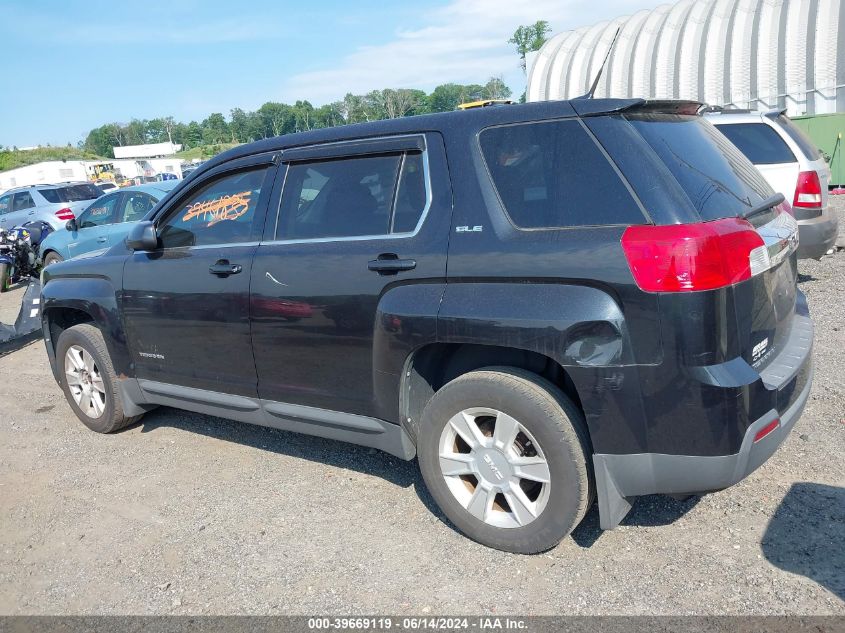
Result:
553,175
759,142
717,178
804,142
71,193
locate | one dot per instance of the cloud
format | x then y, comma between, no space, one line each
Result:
464,41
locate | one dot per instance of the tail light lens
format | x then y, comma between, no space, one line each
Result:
691,257
65,214
808,191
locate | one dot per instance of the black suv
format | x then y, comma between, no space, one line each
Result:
543,303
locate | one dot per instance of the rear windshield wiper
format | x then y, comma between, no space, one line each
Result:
765,205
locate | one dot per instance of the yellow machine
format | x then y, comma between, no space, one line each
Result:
484,103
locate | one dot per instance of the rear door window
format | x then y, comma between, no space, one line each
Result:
135,206
553,175
761,144
22,200
352,197
716,177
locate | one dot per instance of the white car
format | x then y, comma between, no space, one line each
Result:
792,165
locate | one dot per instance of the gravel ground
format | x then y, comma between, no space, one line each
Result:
188,514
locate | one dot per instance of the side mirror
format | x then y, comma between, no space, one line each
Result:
142,237
71,225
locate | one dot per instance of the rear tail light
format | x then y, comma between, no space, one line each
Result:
690,257
808,191
771,426
65,214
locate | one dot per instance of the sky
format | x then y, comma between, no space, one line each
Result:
71,66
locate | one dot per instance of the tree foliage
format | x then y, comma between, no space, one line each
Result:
275,119
530,38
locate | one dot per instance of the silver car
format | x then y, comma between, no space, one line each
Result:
53,204
792,165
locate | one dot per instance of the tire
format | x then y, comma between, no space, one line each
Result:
87,340
52,258
4,277
549,427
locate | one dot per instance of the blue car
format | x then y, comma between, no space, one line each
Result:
104,222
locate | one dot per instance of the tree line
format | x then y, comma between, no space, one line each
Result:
274,119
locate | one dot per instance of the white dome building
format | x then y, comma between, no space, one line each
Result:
757,54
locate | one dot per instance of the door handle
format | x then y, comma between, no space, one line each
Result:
390,264
223,268
102,239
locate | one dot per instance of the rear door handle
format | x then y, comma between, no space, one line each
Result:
390,264
224,268
102,239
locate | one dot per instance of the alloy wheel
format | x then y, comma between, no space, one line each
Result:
494,467
85,381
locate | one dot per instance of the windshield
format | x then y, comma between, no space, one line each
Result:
718,179
71,193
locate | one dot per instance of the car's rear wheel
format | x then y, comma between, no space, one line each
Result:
88,379
52,258
505,454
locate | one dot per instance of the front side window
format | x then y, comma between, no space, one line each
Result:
353,197
553,175
135,206
99,213
23,200
5,201
220,212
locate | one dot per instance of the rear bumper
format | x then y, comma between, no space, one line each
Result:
818,235
620,478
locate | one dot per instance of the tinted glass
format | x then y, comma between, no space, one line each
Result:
99,213
71,193
759,142
135,206
4,204
22,200
411,196
221,212
717,178
338,198
552,174
803,141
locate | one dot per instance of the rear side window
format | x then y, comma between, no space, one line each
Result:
801,139
71,193
716,177
759,142
353,197
553,175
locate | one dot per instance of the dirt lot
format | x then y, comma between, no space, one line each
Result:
184,513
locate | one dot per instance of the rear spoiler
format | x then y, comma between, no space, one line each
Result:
588,107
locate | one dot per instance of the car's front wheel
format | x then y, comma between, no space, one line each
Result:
88,379
52,258
505,454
